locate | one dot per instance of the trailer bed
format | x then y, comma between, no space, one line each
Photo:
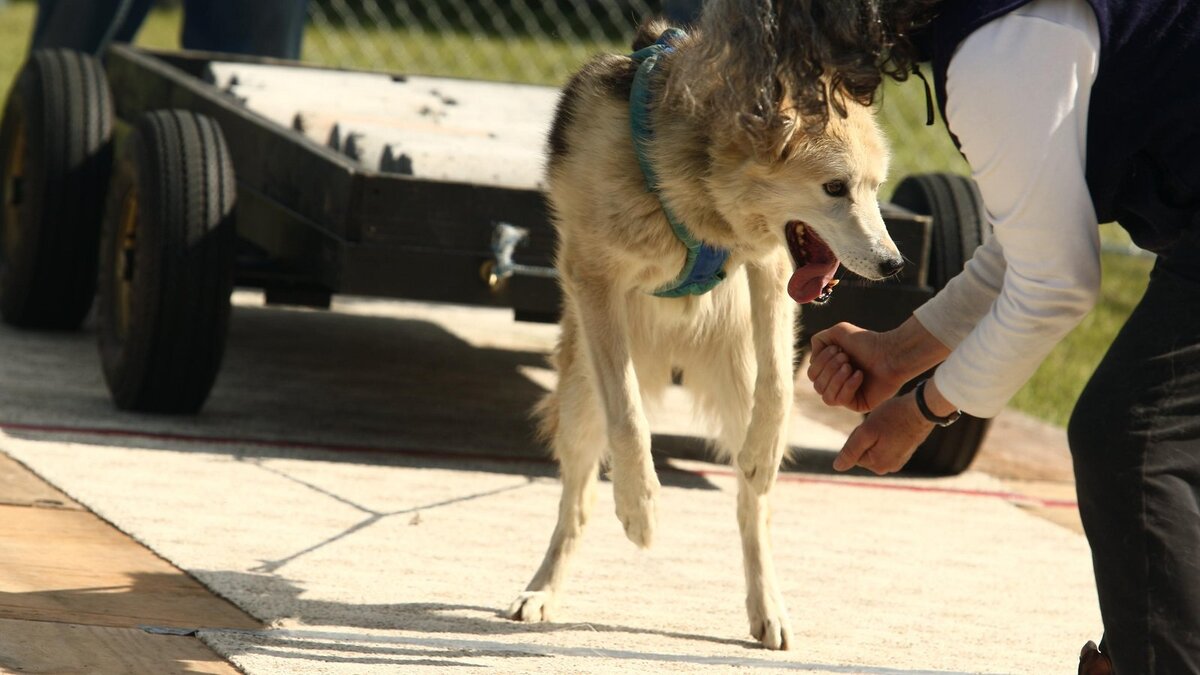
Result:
320,212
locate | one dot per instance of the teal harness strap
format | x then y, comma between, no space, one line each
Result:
704,267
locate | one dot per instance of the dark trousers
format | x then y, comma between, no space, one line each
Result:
256,27
682,12
1135,441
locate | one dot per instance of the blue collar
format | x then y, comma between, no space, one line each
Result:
705,265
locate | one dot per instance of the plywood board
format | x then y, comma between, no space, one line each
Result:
20,487
70,566
42,647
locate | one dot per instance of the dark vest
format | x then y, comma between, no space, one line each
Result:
1143,136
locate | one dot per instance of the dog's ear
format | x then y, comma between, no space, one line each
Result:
766,137
649,32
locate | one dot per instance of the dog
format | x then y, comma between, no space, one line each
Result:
786,203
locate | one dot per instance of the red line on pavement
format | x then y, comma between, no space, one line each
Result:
933,489
1013,497
259,442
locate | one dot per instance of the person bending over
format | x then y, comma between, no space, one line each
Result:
1070,113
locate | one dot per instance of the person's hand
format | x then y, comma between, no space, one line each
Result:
887,439
852,367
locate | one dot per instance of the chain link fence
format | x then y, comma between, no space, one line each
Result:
543,42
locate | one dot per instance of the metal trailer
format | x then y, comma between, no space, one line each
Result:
186,173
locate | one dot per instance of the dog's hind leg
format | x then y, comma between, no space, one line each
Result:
572,419
605,329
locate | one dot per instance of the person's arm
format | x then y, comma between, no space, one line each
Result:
953,313
1017,94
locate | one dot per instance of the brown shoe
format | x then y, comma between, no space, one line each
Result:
1092,662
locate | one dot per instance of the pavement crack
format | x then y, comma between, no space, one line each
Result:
271,566
315,488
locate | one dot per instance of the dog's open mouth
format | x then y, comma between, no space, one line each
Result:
812,281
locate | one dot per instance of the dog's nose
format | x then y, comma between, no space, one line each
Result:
891,267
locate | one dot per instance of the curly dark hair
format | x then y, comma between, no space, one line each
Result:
817,54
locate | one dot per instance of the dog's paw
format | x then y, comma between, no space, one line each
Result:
531,606
637,507
772,629
638,521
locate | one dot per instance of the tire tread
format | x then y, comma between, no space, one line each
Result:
50,280
182,300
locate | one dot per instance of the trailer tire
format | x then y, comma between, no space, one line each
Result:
166,264
959,227
55,163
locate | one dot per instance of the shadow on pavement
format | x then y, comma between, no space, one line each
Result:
344,387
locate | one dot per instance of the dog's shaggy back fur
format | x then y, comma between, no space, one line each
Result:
702,139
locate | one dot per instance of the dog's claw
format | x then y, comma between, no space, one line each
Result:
774,637
531,606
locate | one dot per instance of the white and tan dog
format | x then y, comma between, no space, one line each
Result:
786,204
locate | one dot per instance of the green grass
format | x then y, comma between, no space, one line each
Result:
916,148
1051,393
533,60
16,24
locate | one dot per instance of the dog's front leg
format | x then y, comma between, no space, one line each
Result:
773,320
605,325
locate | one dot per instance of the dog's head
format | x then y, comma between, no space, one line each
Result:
815,193
784,90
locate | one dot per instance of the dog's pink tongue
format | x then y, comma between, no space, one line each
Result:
810,280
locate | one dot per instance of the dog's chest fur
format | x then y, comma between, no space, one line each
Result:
618,227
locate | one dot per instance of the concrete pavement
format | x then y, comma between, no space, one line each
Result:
354,413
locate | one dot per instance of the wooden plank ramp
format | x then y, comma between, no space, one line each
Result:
75,591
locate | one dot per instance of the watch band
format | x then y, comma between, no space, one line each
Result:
946,421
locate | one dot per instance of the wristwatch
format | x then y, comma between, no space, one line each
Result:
928,414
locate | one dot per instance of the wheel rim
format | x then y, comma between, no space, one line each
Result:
15,185
126,262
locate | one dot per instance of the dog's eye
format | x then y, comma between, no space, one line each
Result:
835,188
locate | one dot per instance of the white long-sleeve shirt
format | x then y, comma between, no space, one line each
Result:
1017,93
